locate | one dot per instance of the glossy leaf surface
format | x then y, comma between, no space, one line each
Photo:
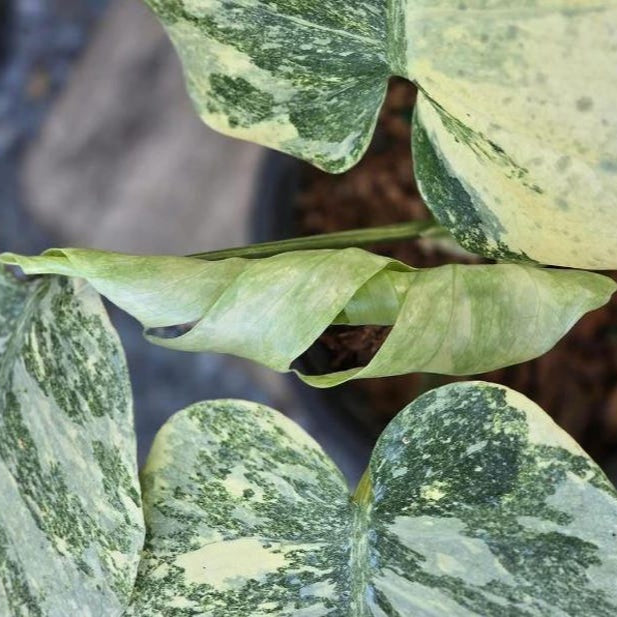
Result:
452,319
71,524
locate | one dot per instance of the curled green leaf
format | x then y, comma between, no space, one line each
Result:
474,504
71,524
452,319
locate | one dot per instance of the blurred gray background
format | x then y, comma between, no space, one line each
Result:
100,147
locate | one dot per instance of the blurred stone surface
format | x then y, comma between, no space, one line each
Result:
124,163
40,41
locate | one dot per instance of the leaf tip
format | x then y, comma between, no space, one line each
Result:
9,259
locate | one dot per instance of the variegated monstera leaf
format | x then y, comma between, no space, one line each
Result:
455,319
515,139
474,505
71,523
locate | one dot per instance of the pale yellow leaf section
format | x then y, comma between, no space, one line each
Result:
520,103
218,564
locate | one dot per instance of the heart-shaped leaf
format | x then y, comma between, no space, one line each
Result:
245,513
516,136
71,524
474,505
453,319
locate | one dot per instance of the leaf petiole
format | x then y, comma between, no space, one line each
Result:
336,240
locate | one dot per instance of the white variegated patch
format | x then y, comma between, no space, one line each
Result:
518,106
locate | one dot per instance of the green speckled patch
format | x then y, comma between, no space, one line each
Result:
305,78
458,208
71,523
474,505
518,101
453,319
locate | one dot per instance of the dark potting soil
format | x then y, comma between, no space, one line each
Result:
576,382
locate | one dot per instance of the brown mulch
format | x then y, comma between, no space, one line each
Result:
576,382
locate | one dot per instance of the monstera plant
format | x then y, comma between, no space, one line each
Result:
473,503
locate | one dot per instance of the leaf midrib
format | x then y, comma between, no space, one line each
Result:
359,559
294,19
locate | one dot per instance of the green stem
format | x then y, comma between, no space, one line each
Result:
338,240
363,494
